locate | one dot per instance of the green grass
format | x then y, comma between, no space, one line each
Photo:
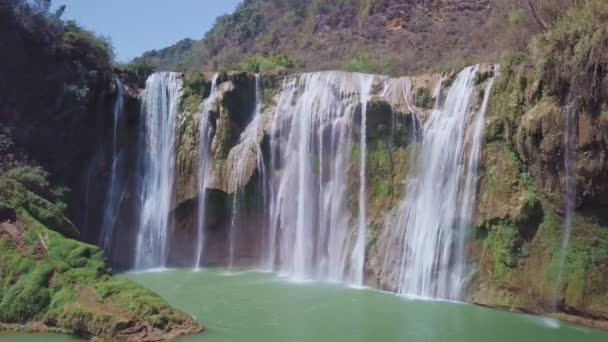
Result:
42,274
275,64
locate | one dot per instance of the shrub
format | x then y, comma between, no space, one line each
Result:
423,98
34,178
76,36
501,243
273,64
139,70
570,57
365,63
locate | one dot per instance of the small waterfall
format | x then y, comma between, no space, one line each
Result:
432,219
247,151
358,260
312,233
159,110
115,190
205,136
570,122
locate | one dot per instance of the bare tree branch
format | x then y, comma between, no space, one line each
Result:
539,20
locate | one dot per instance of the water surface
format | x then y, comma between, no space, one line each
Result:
260,307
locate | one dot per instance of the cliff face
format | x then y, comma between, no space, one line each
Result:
56,126
523,189
514,250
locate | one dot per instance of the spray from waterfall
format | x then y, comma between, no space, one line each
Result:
312,234
432,219
205,136
159,110
115,190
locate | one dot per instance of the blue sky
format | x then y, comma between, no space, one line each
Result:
136,26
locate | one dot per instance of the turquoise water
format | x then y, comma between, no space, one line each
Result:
259,307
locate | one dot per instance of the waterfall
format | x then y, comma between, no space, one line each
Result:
570,122
432,219
159,110
312,234
115,190
205,136
358,261
247,151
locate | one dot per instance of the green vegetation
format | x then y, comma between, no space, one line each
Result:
423,98
481,77
576,70
501,241
520,242
195,88
365,63
61,283
278,64
135,72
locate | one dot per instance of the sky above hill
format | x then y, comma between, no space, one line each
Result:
136,26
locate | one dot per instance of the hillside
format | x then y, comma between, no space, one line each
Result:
379,36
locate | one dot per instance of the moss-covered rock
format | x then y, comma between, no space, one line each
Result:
52,283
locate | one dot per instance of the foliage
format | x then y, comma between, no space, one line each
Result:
76,36
423,98
501,242
363,62
139,68
170,58
34,178
273,64
571,57
481,77
195,84
64,283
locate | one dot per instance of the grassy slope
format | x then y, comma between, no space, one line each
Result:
53,283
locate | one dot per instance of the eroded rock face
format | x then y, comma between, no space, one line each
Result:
520,187
231,113
515,256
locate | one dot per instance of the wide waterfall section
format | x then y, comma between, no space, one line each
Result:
312,233
432,219
159,110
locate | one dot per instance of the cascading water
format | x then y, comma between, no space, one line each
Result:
358,256
312,233
570,122
205,136
432,219
159,110
115,190
249,143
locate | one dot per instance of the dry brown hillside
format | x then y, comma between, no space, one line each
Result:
382,36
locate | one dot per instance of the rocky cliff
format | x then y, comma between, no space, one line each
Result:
515,244
56,122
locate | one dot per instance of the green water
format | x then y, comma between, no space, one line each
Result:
256,307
